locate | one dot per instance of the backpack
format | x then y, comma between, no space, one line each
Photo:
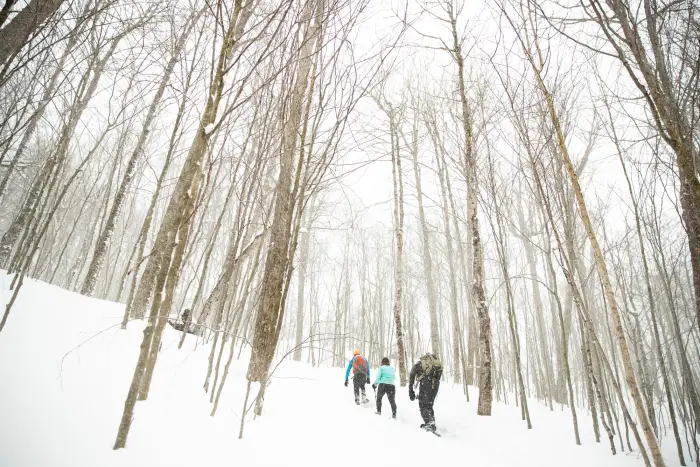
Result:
431,366
359,365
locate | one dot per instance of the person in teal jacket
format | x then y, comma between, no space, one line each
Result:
385,385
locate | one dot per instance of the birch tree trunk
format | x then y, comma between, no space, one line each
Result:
501,246
565,346
397,176
140,245
143,293
478,287
5,12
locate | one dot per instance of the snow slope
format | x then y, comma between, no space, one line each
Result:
65,367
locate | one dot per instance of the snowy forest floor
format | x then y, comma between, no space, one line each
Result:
63,385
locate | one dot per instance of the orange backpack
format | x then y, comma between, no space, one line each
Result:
359,365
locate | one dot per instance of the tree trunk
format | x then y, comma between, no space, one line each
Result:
5,12
277,263
478,287
565,346
23,25
397,177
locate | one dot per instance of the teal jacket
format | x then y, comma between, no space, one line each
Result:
385,376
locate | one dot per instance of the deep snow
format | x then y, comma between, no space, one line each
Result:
63,385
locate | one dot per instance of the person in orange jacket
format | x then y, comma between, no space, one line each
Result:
360,371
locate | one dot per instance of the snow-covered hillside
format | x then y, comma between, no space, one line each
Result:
65,367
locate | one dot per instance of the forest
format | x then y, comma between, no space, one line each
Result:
512,185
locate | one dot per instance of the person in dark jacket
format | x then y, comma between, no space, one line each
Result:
427,372
385,382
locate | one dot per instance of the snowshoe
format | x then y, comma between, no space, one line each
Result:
431,428
365,400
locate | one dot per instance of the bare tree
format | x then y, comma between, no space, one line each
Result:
109,225
175,227
531,47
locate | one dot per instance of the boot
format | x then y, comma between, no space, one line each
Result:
393,416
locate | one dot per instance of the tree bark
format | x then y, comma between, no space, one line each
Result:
51,167
25,23
5,12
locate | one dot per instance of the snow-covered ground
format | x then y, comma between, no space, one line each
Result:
65,367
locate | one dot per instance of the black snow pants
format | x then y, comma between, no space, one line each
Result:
358,384
390,391
426,399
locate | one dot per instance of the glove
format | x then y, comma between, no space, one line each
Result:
374,386
412,395
346,383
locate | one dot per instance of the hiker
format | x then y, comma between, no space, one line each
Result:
360,371
186,317
428,371
385,383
